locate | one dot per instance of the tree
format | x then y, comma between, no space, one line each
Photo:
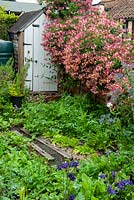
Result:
6,21
89,45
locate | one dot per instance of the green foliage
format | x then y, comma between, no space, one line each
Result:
6,21
6,75
78,123
125,101
105,178
17,86
61,8
4,124
23,174
72,119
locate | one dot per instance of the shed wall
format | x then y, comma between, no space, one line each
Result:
42,76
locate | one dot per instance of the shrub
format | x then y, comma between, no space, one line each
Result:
6,21
90,47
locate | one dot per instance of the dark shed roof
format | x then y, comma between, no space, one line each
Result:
25,20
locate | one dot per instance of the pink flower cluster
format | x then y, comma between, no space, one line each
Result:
90,47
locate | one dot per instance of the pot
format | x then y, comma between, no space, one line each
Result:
16,101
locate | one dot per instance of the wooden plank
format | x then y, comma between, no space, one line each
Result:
41,151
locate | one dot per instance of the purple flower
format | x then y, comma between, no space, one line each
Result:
128,182
102,176
63,166
59,167
110,190
74,164
71,197
71,176
113,174
121,184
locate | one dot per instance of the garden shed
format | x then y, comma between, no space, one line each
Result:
26,35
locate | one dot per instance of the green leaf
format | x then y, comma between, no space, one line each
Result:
80,196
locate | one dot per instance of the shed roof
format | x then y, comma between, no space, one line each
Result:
19,7
25,20
119,9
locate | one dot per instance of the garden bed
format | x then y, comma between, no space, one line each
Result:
77,126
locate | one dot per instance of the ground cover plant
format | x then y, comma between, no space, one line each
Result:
76,122
107,176
25,176
87,127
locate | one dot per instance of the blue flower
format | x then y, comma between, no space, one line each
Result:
121,184
102,176
128,182
59,167
74,164
64,165
113,174
71,176
71,197
110,190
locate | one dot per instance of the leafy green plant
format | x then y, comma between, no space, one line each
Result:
64,140
23,174
74,117
99,178
125,105
7,20
6,75
17,86
4,124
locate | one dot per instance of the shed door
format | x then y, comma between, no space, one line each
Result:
44,76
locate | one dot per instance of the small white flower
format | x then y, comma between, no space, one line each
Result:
109,105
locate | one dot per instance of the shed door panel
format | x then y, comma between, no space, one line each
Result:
41,76
28,54
42,79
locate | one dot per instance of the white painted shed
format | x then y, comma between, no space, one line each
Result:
26,35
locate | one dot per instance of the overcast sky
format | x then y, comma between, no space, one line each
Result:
29,1
96,1
35,1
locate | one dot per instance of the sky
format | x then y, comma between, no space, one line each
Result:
35,1
29,1
96,1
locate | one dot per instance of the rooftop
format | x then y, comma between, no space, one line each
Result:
124,9
25,20
119,9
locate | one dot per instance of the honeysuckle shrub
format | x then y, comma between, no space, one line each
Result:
90,47
66,8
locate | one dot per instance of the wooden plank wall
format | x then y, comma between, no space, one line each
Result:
18,42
